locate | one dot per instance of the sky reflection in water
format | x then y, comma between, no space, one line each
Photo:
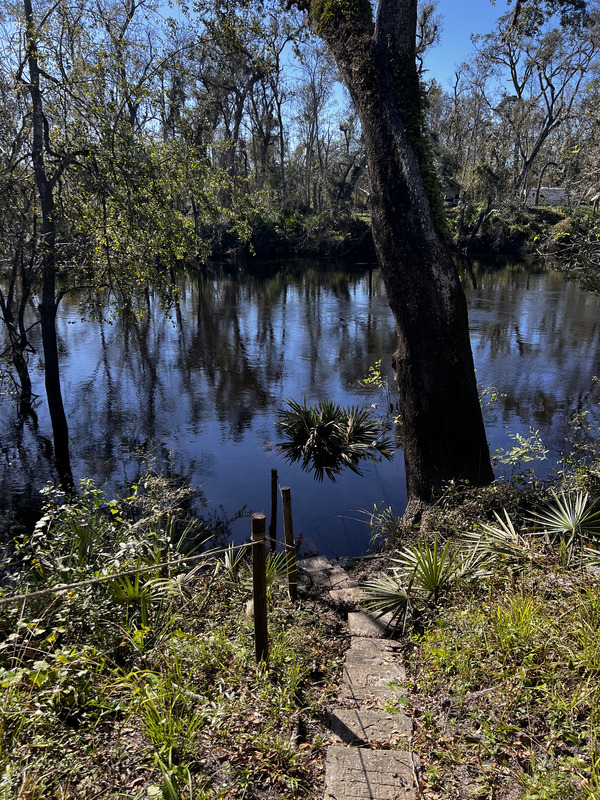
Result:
205,383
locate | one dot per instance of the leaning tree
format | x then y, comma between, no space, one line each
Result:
444,436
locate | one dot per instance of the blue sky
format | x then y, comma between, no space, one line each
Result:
460,18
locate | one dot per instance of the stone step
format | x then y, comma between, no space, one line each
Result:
349,595
324,574
373,673
363,623
330,578
363,728
356,773
375,763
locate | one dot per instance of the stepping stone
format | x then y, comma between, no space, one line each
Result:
372,672
376,652
324,574
370,727
350,595
314,564
355,773
329,578
361,623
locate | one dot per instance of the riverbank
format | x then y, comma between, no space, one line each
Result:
145,685
501,643
506,228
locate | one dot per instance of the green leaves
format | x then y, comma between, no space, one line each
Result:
432,568
500,542
325,437
422,572
569,517
388,595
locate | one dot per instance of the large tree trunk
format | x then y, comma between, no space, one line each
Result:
49,304
444,437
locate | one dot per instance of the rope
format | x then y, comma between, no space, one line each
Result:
66,587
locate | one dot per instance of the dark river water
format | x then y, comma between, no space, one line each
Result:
201,386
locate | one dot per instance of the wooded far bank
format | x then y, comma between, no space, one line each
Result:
136,141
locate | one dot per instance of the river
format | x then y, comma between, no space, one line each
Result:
200,386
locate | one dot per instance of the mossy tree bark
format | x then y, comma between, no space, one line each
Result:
444,436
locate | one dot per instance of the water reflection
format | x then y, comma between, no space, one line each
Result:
204,382
535,338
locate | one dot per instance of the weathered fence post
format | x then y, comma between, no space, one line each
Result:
273,521
259,586
290,546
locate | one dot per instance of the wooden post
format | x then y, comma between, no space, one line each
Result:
290,547
259,586
273,522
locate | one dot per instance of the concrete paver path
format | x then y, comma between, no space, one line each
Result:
371,756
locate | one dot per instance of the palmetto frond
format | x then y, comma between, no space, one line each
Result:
387,595
569,517
326,437
500,542
431,568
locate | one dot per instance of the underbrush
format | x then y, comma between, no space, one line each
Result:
507,697
508,227
317,234
574,248
498,603
129,669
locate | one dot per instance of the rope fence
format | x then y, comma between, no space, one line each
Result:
67,587
259,566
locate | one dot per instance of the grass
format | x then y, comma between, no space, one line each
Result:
511,672
148,687
505,667
194,711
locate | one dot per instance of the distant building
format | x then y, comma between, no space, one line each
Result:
451,192
548,196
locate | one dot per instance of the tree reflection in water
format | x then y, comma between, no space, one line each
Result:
204,383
